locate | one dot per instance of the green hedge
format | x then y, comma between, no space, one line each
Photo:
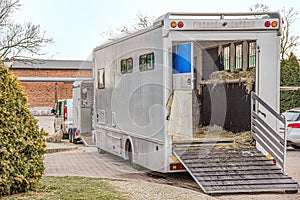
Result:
22,144
289,76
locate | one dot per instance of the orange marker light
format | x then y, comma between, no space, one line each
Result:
173,24
274,23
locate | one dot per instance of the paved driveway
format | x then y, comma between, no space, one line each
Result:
87,162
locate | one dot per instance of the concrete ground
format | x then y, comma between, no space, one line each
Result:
87,162
47,123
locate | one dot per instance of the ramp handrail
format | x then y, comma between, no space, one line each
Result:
269,138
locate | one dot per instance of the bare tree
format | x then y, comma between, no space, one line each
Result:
259,8
288,42
18,40
143,21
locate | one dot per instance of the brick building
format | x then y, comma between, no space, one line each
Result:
49,80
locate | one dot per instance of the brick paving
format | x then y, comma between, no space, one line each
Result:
87,162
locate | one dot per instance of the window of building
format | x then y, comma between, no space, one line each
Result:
239,56
126,65
252,54
226,51
101,79
146,62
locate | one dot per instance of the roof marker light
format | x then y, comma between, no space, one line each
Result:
173,24
180,24
274,23
267,24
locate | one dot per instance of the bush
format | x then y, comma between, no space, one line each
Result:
22,144
289,76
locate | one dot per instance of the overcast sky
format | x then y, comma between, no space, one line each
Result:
76,25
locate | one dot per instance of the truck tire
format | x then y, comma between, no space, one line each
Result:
100,151
70,135
74,140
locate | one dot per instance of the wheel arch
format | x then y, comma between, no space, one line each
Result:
129,148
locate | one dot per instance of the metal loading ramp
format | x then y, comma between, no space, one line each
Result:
247,170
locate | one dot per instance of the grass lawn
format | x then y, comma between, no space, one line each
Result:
70,188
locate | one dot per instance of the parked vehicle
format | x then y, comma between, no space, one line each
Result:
63,111
82,110
293,126
153,88
137,75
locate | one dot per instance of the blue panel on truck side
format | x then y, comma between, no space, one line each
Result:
182,58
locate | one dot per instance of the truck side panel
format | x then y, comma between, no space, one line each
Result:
132,105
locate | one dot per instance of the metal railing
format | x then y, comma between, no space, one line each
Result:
271,139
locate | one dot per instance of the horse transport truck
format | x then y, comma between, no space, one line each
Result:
157,89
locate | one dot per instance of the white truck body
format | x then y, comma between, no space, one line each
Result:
136,75
82,109
63,111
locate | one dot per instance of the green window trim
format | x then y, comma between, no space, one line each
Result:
146,62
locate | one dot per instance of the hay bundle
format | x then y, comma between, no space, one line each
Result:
247,77
214,132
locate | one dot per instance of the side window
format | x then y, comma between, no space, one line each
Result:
129,65
238,56
123,66
101,78
142,62
146,62
126,65
226,57
252,54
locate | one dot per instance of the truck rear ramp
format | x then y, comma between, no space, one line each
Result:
223,170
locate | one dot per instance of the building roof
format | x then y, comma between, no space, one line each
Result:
49,64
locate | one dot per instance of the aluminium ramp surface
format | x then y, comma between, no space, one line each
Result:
246,170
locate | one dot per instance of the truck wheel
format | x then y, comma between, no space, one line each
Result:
100,151
74,140
73,135
70,135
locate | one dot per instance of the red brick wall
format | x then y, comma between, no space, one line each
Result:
70,73
42,94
